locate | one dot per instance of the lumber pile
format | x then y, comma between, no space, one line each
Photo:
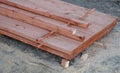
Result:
55,26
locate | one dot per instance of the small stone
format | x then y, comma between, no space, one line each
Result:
84,57
31,63
99,43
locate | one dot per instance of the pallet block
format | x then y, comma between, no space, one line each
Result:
65,63
60,28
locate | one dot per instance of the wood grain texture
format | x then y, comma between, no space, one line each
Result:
36,23
66,14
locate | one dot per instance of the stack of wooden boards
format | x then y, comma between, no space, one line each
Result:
55,26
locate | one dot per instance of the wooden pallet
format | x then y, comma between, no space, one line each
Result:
58,27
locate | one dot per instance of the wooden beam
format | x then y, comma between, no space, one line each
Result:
46,36
37,22
72,21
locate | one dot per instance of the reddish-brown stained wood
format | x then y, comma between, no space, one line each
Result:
51,50
96,37
42,32
12,28
5,10
46,36
41,9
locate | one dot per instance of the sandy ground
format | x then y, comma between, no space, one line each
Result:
101,57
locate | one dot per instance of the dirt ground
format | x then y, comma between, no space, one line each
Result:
101,57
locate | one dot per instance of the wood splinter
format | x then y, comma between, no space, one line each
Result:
80,37
74,32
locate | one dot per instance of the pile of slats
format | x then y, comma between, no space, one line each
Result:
53,25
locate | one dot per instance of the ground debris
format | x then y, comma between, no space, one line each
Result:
84,57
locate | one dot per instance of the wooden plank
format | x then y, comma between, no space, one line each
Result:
10,27
48,49
37,22
34,40
62,42
94,38
61,45
55,15
27,29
